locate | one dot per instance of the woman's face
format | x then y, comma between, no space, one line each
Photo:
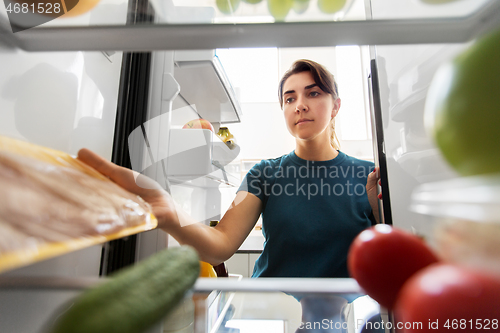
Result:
308,109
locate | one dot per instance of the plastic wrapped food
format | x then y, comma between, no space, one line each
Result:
44,202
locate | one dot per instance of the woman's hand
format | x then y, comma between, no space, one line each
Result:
371,191
161,202
214,245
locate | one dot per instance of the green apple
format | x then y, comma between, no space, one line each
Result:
331,6
279,8
300,6
227,6
252,2
462,111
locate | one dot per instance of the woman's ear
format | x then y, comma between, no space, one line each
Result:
336,107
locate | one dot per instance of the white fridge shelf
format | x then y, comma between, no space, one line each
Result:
205,86
482,16
197,157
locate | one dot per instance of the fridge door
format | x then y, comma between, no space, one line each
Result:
401,75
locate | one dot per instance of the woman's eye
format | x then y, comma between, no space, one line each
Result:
314,93
289,100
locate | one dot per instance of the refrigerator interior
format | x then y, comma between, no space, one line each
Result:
68,99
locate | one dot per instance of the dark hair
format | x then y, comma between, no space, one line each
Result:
322,77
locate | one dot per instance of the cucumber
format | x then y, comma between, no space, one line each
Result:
134,298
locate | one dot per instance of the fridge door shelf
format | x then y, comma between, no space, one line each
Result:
197,157
401,112
475,198
433,169
205,87
465,213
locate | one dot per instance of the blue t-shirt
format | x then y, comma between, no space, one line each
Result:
312,211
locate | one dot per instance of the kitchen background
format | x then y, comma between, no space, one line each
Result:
262,133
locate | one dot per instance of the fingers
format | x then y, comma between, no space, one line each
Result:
95,161
374,178
126,178
122,176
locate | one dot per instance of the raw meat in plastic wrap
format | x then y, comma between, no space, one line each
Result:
42,202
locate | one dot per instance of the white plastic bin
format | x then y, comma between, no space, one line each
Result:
467,216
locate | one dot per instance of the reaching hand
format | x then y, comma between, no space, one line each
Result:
371,191
161,202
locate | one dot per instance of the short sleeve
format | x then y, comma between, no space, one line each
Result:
253,182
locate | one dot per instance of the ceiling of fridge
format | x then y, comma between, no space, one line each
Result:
210,24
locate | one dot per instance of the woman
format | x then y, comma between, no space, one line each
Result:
311,199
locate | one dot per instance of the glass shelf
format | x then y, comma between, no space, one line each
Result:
199,24
222,304
210,12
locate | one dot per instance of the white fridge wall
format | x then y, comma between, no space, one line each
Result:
65,101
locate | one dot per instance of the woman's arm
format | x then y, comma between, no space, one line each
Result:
219,243
214,245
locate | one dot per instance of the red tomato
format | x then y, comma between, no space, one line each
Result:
382,258
446,298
